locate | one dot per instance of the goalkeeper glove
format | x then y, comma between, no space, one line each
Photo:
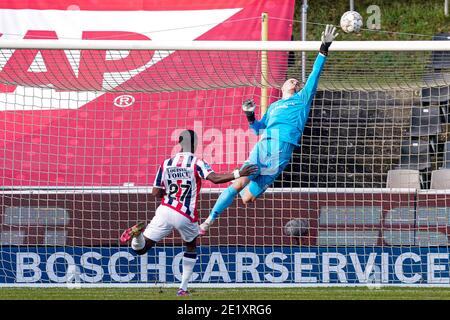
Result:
249,108
327,38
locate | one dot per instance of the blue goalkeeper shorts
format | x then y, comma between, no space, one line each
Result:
271,156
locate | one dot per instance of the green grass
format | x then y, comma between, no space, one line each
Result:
400,20
334,293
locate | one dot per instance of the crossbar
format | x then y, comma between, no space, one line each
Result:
224,45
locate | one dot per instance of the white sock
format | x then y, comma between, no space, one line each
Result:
138,242
189,260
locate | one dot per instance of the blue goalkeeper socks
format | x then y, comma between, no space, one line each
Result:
224,201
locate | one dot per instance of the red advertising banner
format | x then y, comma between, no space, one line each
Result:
101,118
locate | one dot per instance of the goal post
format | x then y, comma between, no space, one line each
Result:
364,201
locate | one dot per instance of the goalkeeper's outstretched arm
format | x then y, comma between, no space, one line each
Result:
249,109
327,38
313,80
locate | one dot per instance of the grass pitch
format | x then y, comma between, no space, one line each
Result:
359,293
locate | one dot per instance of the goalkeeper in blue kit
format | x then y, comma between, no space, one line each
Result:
280,129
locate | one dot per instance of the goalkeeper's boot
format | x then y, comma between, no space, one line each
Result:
203,229
183,293
132,232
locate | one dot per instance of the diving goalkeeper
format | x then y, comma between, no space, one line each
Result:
280,129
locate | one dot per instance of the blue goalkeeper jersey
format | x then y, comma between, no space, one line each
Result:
285,119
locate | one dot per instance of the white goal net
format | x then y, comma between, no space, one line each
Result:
365,199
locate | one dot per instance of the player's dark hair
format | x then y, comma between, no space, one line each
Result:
188,140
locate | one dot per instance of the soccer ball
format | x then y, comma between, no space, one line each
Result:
351,21
296,227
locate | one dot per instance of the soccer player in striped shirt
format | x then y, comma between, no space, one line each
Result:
178,182
280,128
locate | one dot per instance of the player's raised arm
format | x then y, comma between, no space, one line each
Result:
247,170
310,87
249,109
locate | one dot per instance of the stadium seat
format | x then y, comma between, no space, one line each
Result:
447,155
414,155
445,111
438,73
414,162
435,94
440,59
403,178
440,179
425,121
